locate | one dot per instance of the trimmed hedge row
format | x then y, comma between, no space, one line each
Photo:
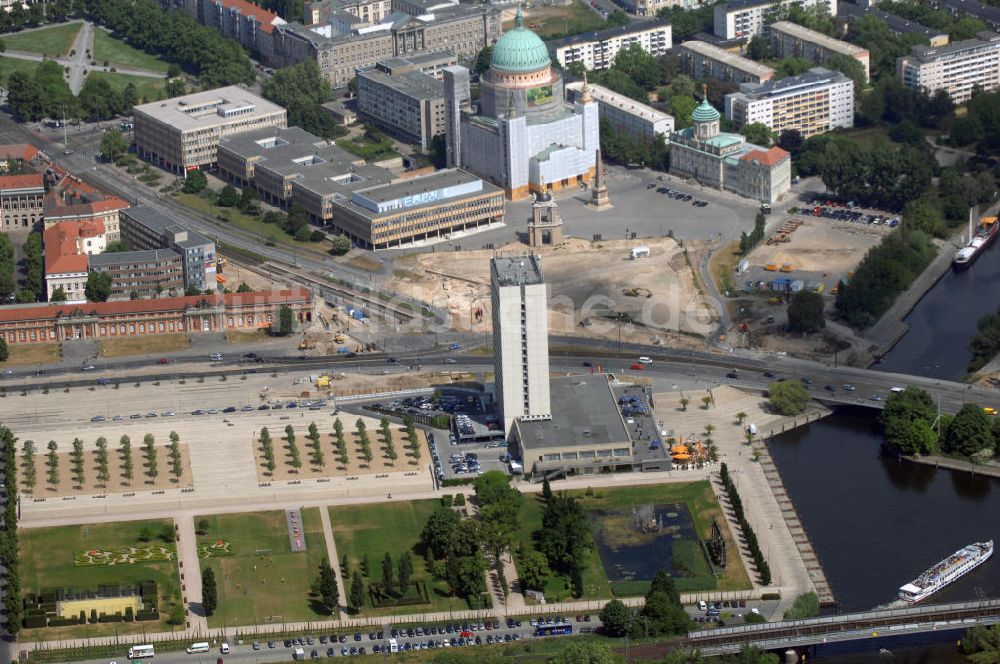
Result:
748,533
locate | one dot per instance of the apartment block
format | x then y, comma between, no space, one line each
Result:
988,14
520,338
21,201
790,40
147,274
812,103
958,68
183,133
598,50
408,104
418,209
897,24
145,228
701,60
625,114
747,18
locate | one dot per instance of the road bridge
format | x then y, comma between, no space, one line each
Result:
831,629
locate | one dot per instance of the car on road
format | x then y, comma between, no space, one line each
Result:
229,409
829,388
163,360
90,367
117,418
454,346
98,418
393,360
198,412
874,397
135,416
449,360
848,387
247,408
168,413
645,360
151,414
212,411
588,364
637,367
770,374
651,185
732,374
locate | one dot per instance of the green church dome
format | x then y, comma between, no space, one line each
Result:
520,50
705,112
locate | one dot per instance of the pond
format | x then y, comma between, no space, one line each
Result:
636,543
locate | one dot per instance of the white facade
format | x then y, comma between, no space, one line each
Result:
520,338
958,68
813,103
598,50
628,116
744,19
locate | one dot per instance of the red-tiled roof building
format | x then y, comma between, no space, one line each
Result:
23,324
67,246
72,199
17,152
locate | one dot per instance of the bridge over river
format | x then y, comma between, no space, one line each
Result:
831,629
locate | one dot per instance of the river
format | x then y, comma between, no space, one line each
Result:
877,522
944,321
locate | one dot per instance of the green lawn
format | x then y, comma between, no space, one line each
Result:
703,507
146,88
268,232
56,40
117,53
263,580
550,21
10,65
376,529
46,556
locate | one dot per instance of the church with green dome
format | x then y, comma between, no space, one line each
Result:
726,161
523,135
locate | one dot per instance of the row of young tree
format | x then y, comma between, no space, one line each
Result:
912,426
748,534
78,464
12,601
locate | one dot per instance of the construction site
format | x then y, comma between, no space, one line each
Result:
596,289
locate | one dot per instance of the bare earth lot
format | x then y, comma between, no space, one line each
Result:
588,282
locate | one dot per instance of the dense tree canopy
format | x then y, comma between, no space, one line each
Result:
906,419
302,90
789,397
805,312
969,433
175,37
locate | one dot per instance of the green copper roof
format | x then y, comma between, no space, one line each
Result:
704,112
520,49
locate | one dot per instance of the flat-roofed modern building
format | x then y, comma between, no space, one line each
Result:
897,24
146,273
747,18
408,104
317,189
701,60
625,114
958,68
145,228
791,40
416,209
598,50
183,133
520,338
811,103
270,159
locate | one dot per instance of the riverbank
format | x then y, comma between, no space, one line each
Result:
988,469
891,327
788,512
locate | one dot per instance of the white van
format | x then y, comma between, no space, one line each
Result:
702,606
197,647
897,389
393,645
645,360
298,654
224,649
